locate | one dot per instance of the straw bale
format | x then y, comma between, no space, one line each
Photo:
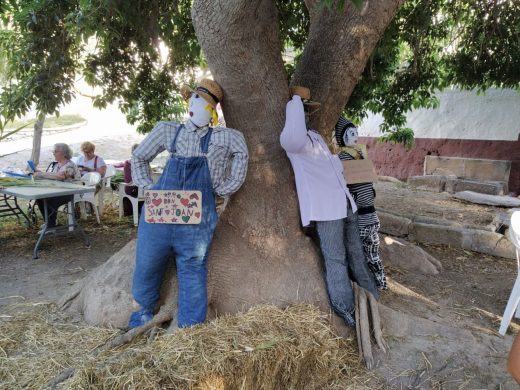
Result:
36,343
264,348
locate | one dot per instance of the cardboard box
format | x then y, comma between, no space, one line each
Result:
359,171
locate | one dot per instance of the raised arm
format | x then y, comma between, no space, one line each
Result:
294,134
150,147
238,171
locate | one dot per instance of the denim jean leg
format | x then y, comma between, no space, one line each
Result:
151,259
356,255
339,286
191,254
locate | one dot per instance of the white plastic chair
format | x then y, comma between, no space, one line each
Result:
133,200
105,185
514,298
111,171
90,179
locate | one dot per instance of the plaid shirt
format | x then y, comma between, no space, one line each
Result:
227,154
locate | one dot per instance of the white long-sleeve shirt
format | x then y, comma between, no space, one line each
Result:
321,186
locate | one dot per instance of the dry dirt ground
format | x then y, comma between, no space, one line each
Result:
469,296
452,317
63,259
475,285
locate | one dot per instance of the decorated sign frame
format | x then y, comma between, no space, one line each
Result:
173,206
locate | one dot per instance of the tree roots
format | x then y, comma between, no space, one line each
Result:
367,320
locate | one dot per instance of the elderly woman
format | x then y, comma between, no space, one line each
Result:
63,169
90,162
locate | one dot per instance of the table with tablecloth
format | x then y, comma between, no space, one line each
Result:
44,190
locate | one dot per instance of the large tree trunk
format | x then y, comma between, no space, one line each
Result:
259,253
259,246
37,139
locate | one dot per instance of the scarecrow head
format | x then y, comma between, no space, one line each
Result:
345,133
203,101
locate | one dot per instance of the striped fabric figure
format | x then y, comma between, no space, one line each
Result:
345,138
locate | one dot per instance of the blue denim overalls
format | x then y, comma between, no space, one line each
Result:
190,243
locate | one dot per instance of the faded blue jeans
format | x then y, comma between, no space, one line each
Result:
344,259
190,246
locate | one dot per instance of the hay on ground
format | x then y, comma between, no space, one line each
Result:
265,348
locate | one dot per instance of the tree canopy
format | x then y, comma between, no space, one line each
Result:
139,53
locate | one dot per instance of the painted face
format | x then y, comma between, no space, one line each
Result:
199,112
350,137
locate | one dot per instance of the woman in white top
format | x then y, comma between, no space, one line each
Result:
90,162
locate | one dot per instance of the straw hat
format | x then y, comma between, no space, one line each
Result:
207,88
304,93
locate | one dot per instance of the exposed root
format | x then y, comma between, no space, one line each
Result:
67,299
153,335
436,263
365,324
376,322
63,376
130,335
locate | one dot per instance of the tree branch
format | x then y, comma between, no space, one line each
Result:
332,70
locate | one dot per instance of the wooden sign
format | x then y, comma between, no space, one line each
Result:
173,206
359,171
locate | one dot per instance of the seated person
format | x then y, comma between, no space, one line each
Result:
63,169
127,170
129,190
90,162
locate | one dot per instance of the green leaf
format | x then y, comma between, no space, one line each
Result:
115,46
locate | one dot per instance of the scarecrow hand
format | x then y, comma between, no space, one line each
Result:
221,204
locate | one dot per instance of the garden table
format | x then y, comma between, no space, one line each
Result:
9,206
44,193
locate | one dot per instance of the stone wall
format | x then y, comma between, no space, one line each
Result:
394,160
465,124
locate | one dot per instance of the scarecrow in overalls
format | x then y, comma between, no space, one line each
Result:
210,160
